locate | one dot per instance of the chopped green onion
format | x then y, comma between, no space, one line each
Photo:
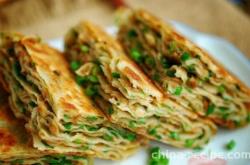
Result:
171,73
136,55
150,61
230,145
74,65
189,143
110,111
91,91
171,47
132,124
132,33
96,69
165,63
178,91
17,161
107,137
92,118
93,78
81,79
84,48
67,126
32,104
116,75
185,56
156,158
89,128
156,77
210,109
198,149
191,69
77,141
221,89
248,117
130,136
174,135
152,131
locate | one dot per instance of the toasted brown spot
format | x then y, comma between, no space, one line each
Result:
7,140
132,74
178,36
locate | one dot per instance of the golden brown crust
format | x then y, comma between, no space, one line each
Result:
158,24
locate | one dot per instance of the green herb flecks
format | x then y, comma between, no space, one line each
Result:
185,56
92,118
150,61
171,72
156,158
156,77
57,160
230,145
110,111
178,91
91,90
84,48
210,109
108,137
174,135
132,34
81,80
75,65
67,126
221,89
171,47
189,143
136,55
116,75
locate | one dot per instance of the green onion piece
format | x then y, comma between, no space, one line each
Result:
132,33
116,75
74,65
178,91
108,137
91,91
156,77
77,141
164,62
189,143
32,104
136,55
174,135
185,56
17,161
156,158
230,145
96,69
198,149
210,109
172,47
171,73
92,118
84,48
150,61
248,117
130,136
93,78
191,69
81,79
110,111
132,124
67,126
89,128
152,131
221,89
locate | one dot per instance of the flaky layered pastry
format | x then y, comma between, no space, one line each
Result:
60,118
15,146
125,94
185,72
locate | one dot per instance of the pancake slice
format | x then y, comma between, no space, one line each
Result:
125,93
16,147
60,118
186,73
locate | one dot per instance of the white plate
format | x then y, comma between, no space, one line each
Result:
235,62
